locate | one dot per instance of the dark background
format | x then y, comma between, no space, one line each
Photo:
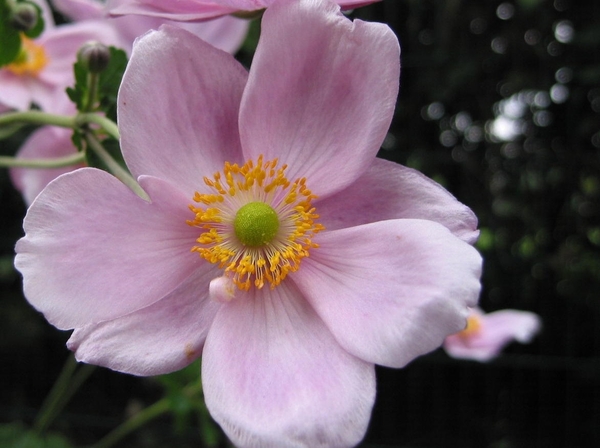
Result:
466,67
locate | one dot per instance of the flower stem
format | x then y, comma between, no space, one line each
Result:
57,162
108,125
37,117
63,121
153,411
64,388
140,419
119,172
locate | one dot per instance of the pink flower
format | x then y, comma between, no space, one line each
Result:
300,260
487,334
45,68
226,33
195,10
46,142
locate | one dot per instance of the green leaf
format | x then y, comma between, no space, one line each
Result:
78,92
9,36
110,81
108,84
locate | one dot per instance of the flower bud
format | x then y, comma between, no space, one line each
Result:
24,16
94,56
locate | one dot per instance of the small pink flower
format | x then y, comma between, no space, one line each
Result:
274,244
487,334
226,33
197,10
45,67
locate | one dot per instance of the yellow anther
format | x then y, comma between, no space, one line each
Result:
280,252
31,60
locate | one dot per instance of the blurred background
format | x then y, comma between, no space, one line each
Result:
500,103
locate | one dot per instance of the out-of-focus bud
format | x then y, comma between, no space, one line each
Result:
94,56
24,16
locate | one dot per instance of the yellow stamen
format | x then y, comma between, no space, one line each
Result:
250,264
31,59
473,327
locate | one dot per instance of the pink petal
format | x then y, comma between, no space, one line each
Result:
320,101
521,326
498,329
95,251
226,33
391,191
273,375
392,290
46,142
194,10
79,9
161,338
186,10
18,92
61,45
178,106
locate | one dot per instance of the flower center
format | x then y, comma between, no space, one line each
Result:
473,327
256,224
31,59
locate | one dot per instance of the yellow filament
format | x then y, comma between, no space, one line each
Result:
233,188
31,59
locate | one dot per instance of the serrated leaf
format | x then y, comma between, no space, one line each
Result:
9,36
110,81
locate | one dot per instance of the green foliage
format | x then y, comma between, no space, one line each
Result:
16,435
94,92
9,36
183,389
104,96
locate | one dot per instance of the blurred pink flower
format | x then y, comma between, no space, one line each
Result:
290,290
45,68
487,334
197,10
226,33
46,142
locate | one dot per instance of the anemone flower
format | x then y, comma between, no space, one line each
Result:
272,243
44,69
198,10
226,33
487,334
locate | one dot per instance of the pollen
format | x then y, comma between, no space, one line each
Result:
31,59
255,224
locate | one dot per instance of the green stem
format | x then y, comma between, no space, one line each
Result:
108,125
118,171
37,117
137,421
58,162
92,84
153,411
64,388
